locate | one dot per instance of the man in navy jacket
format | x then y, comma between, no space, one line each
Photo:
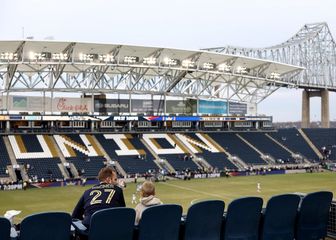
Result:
104,195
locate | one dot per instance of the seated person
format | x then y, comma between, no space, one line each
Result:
148,199
104,195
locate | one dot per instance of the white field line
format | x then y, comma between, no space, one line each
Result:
197,191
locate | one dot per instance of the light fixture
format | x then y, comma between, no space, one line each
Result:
187,63
108,58
149,60
88,57
170,62
8,56
60,56
241,70
209,66
40,56
275,75
223,67
131,59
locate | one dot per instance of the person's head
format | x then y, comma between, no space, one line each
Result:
147,189
107,175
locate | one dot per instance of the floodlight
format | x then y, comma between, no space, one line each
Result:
60,56
209,66
88,57
187,63
171,62
106,58
8,56
149,60
39,56
131,59
275,75
241,70
223,67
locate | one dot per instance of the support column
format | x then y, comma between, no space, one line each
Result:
305,123
325,122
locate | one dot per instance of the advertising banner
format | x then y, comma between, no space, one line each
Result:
212,107
65,104
252,109
188,106
237,108
147,107
111,105
28,103
169,118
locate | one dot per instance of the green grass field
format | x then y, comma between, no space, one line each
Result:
180,192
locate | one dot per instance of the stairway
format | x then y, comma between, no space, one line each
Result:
63,170
294,155
153,153
310,143
239,164
163,163
10,150
262,155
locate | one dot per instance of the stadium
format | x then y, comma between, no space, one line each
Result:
187,120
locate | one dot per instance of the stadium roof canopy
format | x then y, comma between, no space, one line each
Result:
50,66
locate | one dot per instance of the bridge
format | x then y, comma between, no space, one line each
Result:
313,48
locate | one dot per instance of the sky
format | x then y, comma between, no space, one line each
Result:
186,24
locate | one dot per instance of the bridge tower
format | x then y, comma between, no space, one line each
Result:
324,95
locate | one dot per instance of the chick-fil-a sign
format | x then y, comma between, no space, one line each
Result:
71,105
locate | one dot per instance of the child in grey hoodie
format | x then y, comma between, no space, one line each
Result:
148,199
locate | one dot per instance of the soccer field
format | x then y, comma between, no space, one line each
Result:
173,191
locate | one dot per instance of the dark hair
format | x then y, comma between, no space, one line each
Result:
105,173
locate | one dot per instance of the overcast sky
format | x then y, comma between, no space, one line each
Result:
190,24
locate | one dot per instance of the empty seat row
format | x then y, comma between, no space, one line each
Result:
286,217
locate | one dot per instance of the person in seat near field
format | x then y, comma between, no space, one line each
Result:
148,199
104,195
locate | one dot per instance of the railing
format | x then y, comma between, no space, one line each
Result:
332,221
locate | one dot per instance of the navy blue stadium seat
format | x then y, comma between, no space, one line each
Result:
323,137
114,223
292,139
160,222
4,158
279,217
49,225
234,145
242,219
130,163
5,227
313,216
204,220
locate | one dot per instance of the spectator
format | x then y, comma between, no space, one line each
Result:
148,199
104,195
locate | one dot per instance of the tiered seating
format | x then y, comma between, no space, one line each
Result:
215,159
31,143
236,146
267,146
325,137
130,163
87,166
46,168
4,159
292,139
30,151
178,161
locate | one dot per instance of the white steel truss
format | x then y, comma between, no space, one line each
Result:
36,66
312,47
